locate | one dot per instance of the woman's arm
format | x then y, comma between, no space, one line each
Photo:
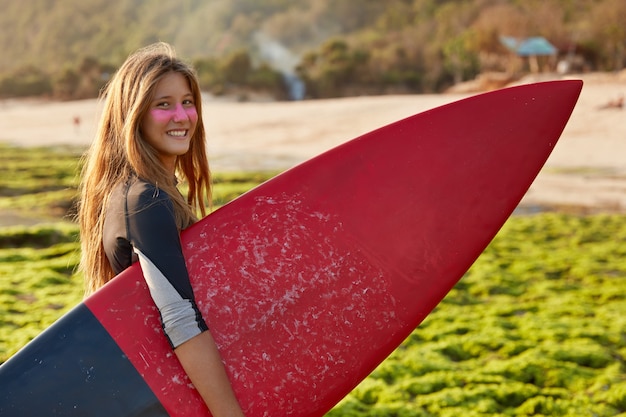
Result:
196,349
156,241
203,364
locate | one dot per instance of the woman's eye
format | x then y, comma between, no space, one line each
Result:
163,105
188,103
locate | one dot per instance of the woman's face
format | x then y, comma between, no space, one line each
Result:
171,119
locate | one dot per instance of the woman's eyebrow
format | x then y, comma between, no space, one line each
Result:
169,97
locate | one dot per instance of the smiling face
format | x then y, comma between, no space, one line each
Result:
171,119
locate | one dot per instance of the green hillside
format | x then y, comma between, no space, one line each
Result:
66,48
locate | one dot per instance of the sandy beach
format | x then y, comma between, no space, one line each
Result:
587,169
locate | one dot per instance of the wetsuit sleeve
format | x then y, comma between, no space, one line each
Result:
155,239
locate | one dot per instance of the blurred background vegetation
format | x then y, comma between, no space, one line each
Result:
67,49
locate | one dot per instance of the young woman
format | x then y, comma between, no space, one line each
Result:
150,130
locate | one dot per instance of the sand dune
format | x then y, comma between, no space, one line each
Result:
587,168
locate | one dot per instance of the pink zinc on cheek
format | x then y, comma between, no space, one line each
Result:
192,113
161,115
178,112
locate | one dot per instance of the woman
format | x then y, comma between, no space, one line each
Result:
151,129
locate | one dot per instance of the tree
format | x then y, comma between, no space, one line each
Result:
460,60
66,84
335,66
24,82
236,67
608,31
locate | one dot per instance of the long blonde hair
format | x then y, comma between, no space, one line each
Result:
119,152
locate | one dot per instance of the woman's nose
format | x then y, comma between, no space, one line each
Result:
180,114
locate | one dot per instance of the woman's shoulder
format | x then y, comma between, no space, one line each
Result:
141,193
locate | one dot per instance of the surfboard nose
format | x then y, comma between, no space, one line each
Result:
437,186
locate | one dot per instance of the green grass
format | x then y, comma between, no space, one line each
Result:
38,182
42,182
38,284
536,327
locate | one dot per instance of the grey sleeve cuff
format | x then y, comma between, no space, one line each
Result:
180,319
179,322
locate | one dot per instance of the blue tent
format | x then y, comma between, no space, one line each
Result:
534,46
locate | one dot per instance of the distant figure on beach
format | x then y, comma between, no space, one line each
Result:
618,103
76,122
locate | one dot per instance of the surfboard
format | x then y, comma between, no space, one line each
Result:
313,278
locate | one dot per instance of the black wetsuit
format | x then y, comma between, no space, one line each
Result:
139,225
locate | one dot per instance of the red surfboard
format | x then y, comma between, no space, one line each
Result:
310,280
